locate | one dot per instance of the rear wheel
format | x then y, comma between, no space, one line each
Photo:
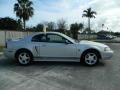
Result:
24,57
90,58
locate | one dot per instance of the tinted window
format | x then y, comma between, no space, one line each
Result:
55,38
39,38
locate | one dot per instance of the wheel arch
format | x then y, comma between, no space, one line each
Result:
22,49
91,49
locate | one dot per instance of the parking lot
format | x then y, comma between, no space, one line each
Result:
61,75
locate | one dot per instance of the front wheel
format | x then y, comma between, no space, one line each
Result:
90,58
24,58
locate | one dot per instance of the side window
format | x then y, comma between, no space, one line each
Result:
39,38
54,38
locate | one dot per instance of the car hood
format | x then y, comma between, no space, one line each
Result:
85,42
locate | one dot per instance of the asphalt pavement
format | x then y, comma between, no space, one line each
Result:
61,75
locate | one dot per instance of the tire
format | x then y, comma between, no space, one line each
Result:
24,57
90,58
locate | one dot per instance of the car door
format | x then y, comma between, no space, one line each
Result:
38,41
56,47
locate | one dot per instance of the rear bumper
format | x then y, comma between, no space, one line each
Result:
107,55
9,53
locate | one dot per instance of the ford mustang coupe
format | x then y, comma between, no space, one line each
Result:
54,46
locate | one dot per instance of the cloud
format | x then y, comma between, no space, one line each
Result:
108,12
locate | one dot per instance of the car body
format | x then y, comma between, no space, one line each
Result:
54,46
104,37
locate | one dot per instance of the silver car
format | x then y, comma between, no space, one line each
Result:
54,46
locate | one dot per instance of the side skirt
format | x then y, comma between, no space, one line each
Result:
62,59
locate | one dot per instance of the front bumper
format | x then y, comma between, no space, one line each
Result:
107,55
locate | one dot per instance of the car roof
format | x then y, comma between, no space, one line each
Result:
36,33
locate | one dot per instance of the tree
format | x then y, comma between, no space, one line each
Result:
89,14
74,28
62,25
86,31
23,10
8,23
81,26
19,25
51,26
39,27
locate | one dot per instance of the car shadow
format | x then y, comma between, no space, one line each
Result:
75,64
12,63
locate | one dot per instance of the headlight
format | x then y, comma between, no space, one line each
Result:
107,49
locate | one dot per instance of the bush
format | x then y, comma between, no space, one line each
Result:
1,48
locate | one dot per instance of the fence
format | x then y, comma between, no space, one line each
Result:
87,36
7,34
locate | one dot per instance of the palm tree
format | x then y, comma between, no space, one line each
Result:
89,14
23,10
74,28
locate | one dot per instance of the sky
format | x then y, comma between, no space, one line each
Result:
108,12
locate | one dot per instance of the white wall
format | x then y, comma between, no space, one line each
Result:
11,34
2,37
87,36
20,34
